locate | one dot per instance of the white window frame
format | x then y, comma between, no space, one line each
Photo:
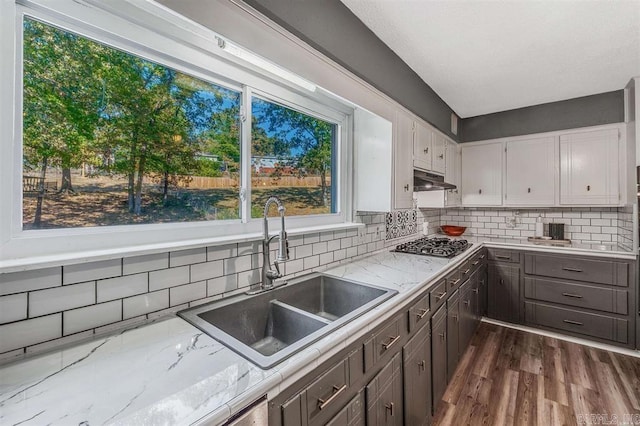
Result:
182,49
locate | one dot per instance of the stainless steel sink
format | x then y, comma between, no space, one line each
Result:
269,327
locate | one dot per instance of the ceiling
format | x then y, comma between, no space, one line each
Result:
488,56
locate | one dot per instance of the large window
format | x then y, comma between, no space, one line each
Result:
133,129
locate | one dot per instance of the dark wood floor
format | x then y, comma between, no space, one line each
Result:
510,377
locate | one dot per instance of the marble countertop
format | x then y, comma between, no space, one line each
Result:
169,372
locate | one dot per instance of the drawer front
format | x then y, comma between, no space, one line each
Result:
419,313
352,414
478,260
585,323
580,269
438,295
383,342
580,295
326,393
500,255
465,271
454,280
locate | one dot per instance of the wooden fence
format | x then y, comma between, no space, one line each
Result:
199,182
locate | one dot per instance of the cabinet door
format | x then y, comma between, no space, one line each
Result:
439,355
467,319
453,327
352,414
438,163
504,292
402,157
422,146
417,378
384,395
452,173
482,174
482,296
589,168
531,167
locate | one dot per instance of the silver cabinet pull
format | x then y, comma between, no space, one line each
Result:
443,335
575,296
422,364
572,269
475,290
441,295
426,150
422,313
455,282
389,408
441,156
572,322
336,391
406,187
391,342
475,263
498,256
466,272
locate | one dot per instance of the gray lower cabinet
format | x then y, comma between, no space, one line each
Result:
439,355
467,315
453,331
504,291
351,415
384,395
416,363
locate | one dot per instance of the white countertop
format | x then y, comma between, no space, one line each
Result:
169,372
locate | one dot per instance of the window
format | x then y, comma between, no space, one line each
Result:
133,127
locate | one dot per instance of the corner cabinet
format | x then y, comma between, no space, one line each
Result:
383,177
589,168
482,174
531,172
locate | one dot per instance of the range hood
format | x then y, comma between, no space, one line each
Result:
425,181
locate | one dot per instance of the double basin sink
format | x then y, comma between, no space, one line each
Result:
269,327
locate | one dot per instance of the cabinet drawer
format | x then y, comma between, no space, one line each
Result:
327,393
454,279
352,414
500,255
585,323
580,295
419,313
478,260
383,342
438,295
572,268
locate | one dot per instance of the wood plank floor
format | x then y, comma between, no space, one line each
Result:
511,377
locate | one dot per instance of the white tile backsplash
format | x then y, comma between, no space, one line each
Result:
91,271
117,288
60,299
30,332
187,293
13,307
187,257
145,303
17,282
207,270
166,278
92,316
145,263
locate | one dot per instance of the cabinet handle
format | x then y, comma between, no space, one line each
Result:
455,282
475,290
572,269
501,281
443,335
529,190
455,317
572,322
391,342
441,156
422,313
441,295
423,365
479,191
482,256
336,391
426,150
466,272
498,256
406,187
575,296
389,408
466,302
588,187
475,263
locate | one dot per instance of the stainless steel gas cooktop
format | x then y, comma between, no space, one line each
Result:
440,247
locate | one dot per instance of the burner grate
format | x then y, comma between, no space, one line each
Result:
440,247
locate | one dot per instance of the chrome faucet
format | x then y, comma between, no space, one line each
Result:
270,275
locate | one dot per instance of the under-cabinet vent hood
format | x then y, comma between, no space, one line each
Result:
424,181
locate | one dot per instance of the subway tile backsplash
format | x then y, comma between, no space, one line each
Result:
38,312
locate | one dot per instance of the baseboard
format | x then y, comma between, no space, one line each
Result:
559,336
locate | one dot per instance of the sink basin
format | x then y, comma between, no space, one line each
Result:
269,327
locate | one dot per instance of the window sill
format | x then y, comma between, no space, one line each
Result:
25,264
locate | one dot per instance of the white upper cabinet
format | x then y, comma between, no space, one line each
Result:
482,174
531,172
422,146
453,168
590,168
402,155
438,163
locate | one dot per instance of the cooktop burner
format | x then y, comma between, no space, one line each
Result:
440,247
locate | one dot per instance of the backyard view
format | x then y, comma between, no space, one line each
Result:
110,139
